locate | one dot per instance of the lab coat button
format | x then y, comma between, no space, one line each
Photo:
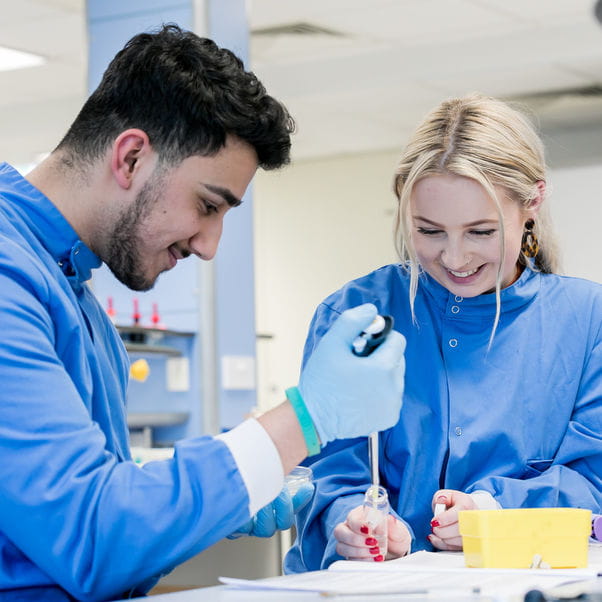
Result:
453,342
455,309
458,431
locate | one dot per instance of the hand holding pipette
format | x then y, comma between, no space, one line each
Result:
334,377
352,535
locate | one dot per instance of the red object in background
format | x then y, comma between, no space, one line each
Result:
136,315
111,309
155,318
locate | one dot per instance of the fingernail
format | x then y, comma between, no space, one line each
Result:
364,529
379,558
435,523
374,550
371,541
442,499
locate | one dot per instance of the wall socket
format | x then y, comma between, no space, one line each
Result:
178,374
238,372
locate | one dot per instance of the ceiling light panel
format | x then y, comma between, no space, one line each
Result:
11,59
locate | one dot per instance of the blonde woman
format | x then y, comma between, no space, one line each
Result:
503,399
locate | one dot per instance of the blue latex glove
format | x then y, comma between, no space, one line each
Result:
278,515
351,396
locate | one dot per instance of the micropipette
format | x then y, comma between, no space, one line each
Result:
363,345
373,455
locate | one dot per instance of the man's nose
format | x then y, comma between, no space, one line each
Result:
205,242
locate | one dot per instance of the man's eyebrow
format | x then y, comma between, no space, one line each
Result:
225,193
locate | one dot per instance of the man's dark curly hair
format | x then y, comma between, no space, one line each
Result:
187,94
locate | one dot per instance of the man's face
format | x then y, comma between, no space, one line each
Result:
179,211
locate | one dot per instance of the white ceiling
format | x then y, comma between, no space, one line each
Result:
360,85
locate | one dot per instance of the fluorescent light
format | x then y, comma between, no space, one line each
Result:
17,59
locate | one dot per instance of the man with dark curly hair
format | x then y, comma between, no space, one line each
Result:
165,146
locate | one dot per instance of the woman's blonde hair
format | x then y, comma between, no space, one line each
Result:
484,139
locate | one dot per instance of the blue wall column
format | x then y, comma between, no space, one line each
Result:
213,299
233,267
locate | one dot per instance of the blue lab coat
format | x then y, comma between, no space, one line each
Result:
75,513
521,420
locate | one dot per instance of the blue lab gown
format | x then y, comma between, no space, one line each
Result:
522,420
75,513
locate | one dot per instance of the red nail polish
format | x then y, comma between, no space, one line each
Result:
364,529
371,541
379,558
442,499
435,523
374,550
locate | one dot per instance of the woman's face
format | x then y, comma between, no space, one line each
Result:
456,233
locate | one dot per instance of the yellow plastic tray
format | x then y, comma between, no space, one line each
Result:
556,537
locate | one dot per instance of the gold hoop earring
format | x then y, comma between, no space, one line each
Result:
529,244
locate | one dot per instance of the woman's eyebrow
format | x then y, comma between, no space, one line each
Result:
478,222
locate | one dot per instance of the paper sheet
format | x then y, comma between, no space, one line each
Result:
454,562
355,583
427,573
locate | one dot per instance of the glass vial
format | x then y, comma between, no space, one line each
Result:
296,478
376,510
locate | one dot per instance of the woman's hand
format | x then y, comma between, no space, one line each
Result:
355,542
445,527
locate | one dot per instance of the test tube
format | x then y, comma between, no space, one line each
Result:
297,477
376,510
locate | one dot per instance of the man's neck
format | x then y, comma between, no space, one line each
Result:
70,190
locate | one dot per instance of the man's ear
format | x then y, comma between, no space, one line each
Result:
128,151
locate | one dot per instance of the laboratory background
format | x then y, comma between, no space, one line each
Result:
223,340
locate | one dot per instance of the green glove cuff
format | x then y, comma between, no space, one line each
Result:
307,425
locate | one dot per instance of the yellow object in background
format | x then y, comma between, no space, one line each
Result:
526,537
139,370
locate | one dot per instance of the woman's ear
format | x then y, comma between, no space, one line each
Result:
129,149
538,199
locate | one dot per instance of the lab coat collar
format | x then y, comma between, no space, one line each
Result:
78,266
49,226
512,298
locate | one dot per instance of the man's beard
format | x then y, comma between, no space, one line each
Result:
123,255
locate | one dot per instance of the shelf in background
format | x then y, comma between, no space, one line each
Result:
141,340
142,348
151,332
138,420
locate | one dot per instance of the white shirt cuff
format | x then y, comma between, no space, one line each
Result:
257,460
484,500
